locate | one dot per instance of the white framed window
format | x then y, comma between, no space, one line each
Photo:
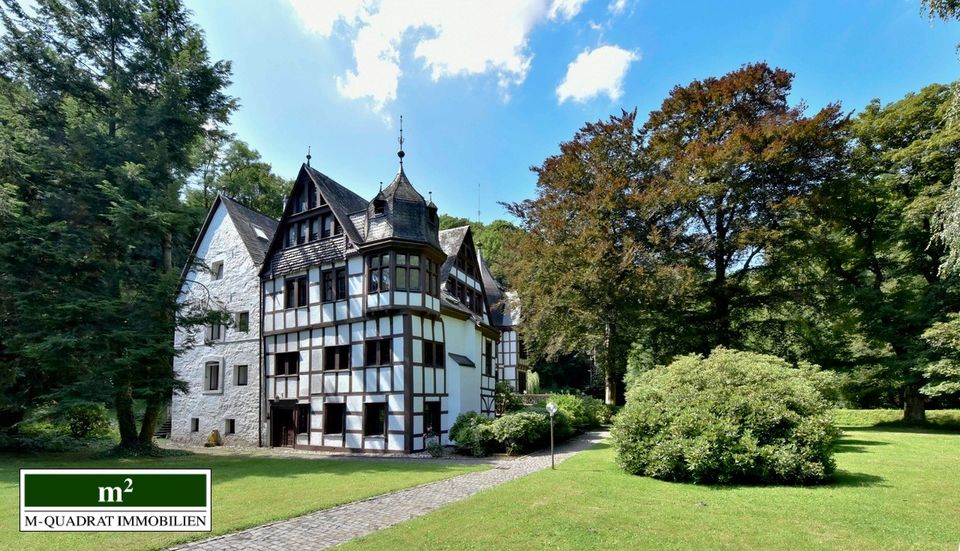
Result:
212,377
240,375
217,270
216,332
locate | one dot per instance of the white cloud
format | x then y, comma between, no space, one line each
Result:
616,7
595,72
566,9
450,37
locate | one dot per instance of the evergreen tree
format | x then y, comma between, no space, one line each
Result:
119,95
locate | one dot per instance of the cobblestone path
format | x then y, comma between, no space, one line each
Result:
330,527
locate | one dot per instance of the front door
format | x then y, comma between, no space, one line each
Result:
283,431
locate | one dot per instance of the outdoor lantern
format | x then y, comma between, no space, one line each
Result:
551,409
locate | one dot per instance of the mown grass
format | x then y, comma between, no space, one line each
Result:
895,489
941,419
247,491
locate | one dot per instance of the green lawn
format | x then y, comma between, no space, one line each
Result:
247,491
896,489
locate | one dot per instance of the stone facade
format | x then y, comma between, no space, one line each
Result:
236,291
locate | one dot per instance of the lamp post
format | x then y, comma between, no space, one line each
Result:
551,409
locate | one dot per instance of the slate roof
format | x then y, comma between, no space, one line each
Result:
405,214
450,242
500,310
246,221
342,201
462,360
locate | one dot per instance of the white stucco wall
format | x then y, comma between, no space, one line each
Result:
463,384
237,291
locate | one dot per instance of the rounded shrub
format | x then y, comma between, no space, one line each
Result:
585,411
472,434
521,431
729,418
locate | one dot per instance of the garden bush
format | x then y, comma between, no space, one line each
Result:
506,399
472,434
729,418
585,412
522,431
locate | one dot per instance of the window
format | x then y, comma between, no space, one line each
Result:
433,354
374,419
337,228
262,235
301,204
377,352
230,426
401,278
327,226
341,284
295,292
287,363
432,283
303,418
336,358
334,417
302,229
215,332
488,361
194,424
431,418
243,322
217,270
378,206
314,229
240,375
211,376
378,273
291,237
334,284
413,278
311,196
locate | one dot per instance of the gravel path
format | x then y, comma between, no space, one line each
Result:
330,527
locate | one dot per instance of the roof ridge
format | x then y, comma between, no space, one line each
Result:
249,208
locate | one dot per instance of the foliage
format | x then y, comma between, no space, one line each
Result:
87,419
943,375
937,419
735,160
521,431
473,434
639,360
506,399
533,382
101,108
565,371
729,418
434,447
871,234
593,255
235,169
943,9
585,412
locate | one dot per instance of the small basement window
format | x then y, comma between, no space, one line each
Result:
374,419
194,424
334,417
230,426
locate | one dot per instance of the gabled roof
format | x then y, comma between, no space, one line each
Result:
248,221
450,241
342,201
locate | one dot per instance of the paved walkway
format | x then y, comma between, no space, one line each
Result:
330,527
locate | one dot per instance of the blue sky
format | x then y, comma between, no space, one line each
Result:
487,94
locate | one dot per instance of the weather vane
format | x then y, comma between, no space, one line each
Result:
401,153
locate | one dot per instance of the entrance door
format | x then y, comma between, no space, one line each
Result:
284,432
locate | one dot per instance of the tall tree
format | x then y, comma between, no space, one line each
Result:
736,158
594,249
120,94
875,236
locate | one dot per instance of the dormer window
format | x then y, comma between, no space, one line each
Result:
378,207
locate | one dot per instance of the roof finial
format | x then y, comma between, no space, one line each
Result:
431,196
308,155
400,153
381,186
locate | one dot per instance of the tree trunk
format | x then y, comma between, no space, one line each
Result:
149,425
610,394
126,420
914,406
